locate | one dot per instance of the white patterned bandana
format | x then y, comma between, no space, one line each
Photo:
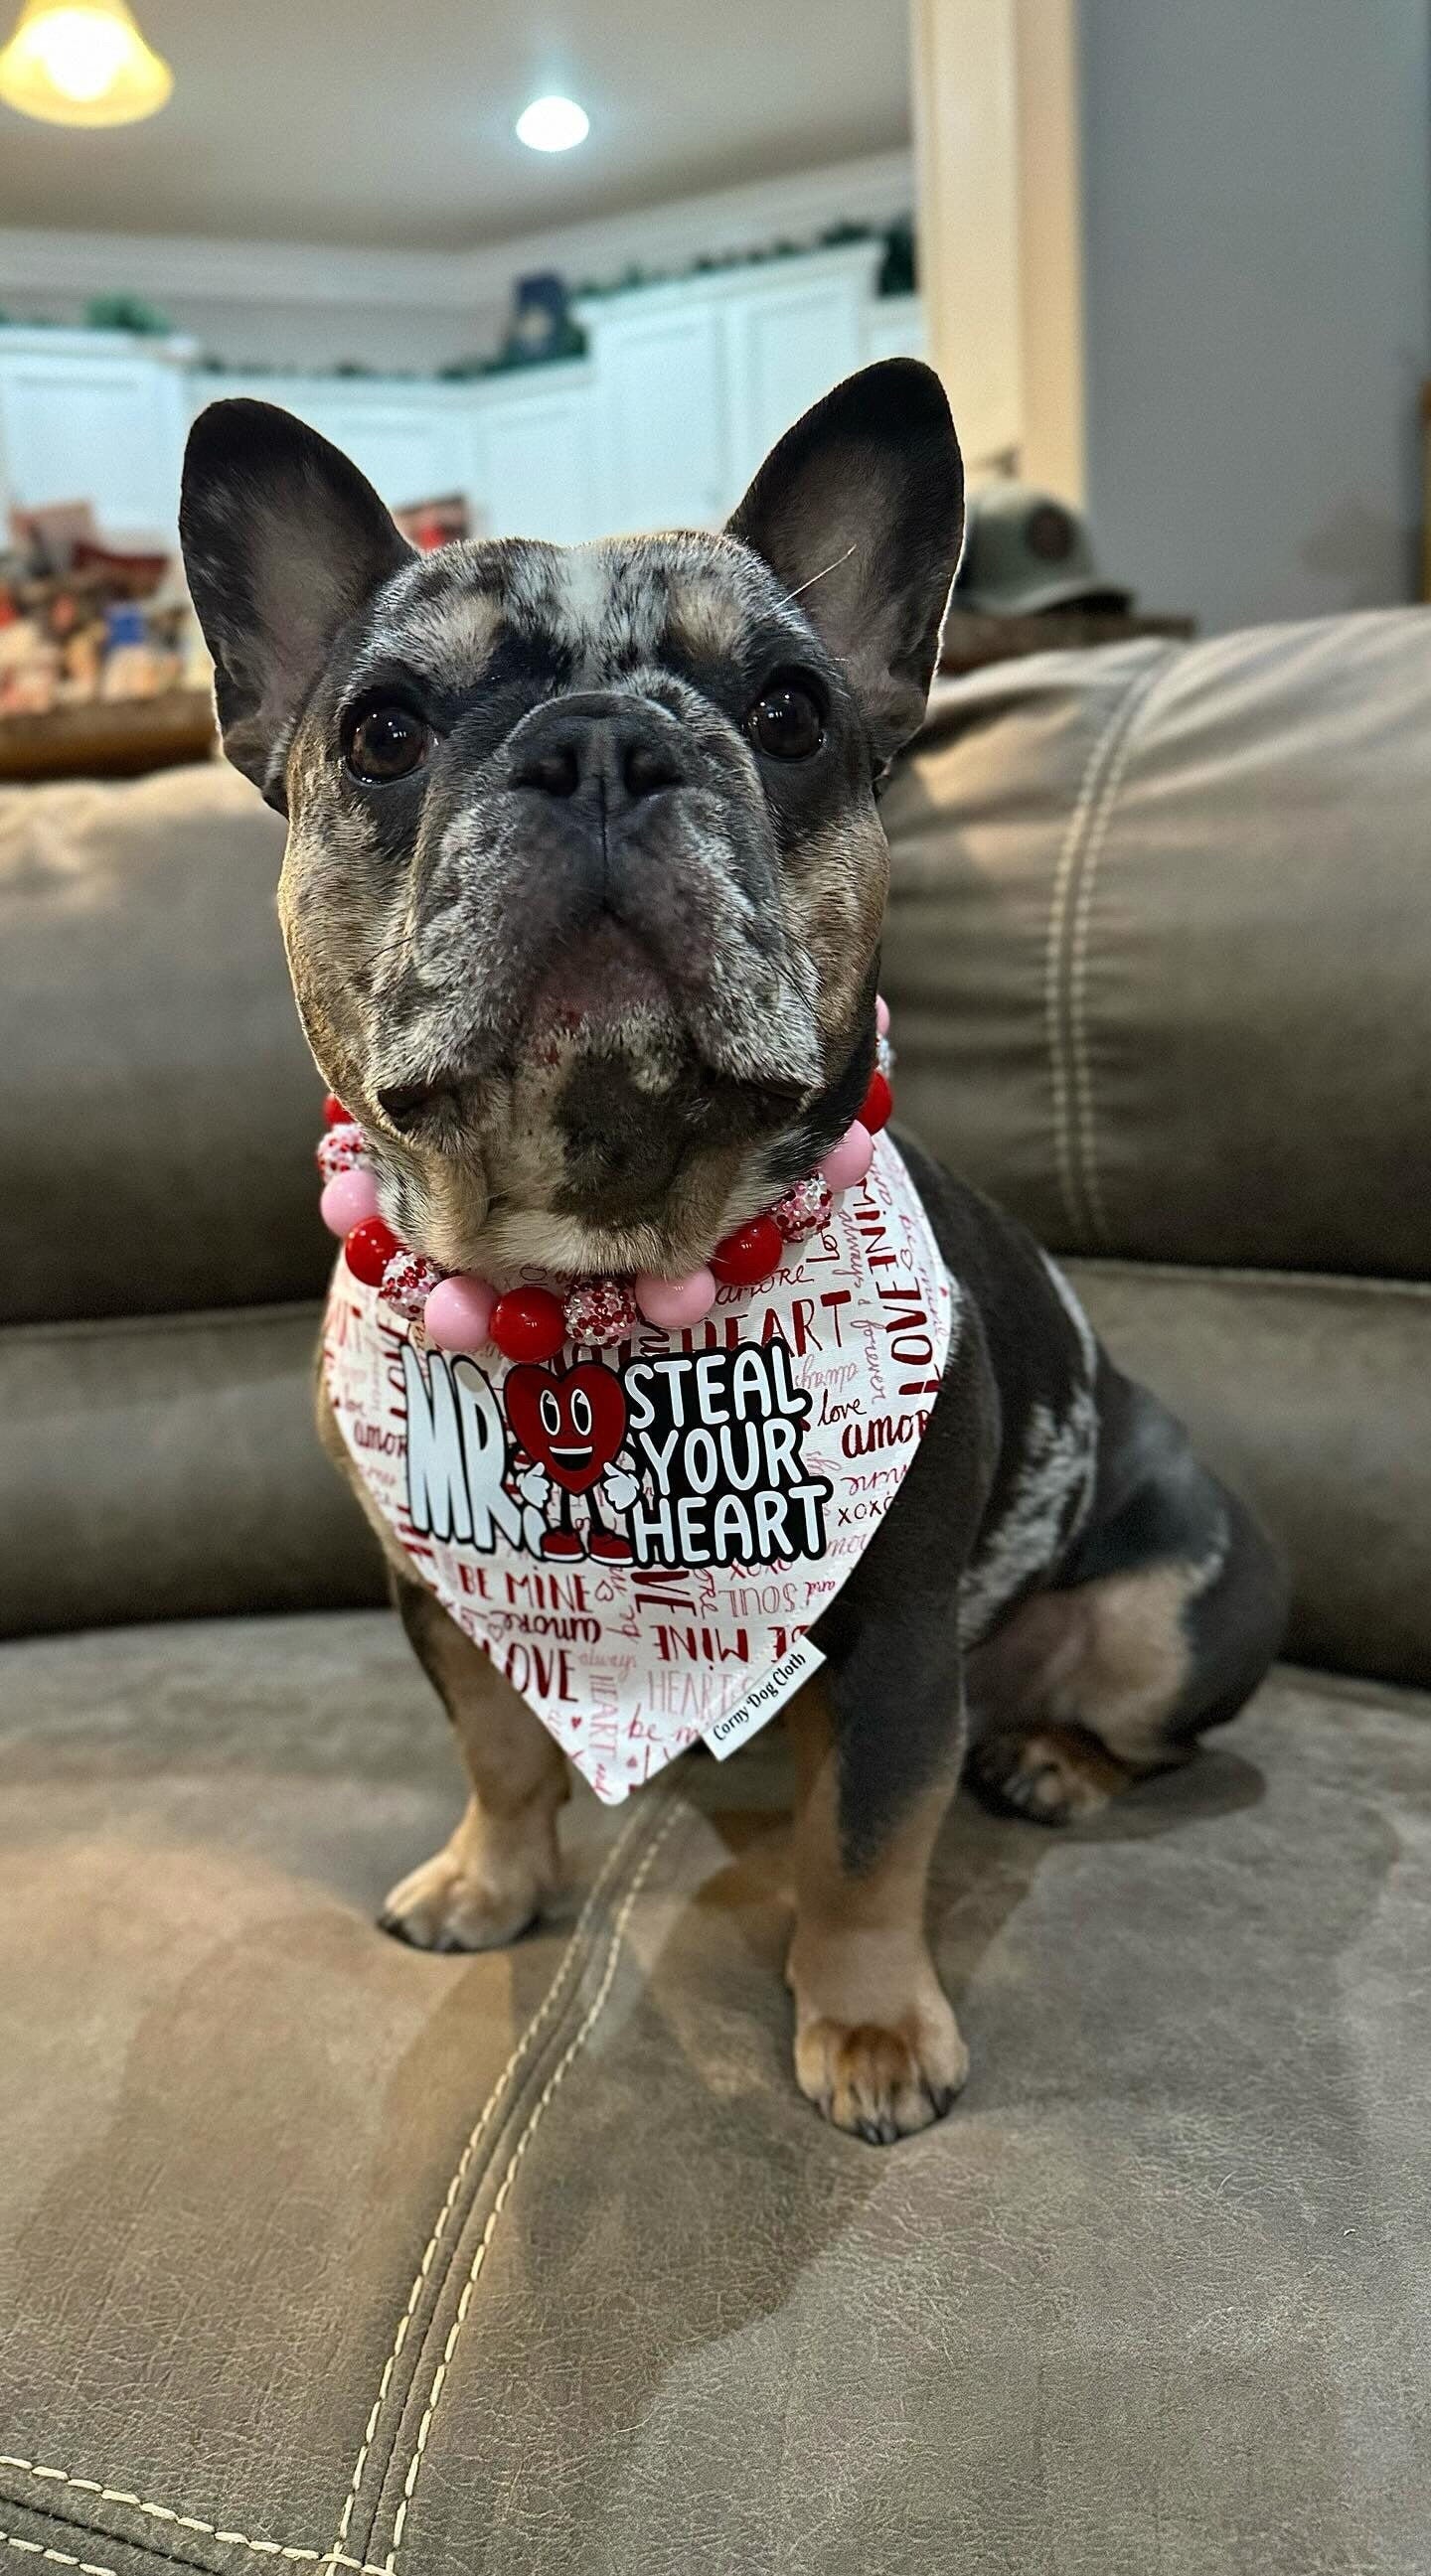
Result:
641,1537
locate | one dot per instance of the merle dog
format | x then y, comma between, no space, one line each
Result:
582,901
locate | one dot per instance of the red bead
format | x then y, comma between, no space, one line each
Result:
528,1324
369,1249
750,1254
878,1104
334,1114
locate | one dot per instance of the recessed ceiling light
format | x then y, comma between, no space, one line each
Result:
553,125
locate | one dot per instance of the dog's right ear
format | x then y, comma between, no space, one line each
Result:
283,541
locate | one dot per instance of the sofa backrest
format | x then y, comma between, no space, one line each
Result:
1159,950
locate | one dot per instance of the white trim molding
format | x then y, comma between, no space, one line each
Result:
728,221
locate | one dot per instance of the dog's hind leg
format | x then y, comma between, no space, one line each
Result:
488,1882
1085,1689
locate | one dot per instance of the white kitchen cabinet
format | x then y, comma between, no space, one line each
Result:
687,384
794,333
694,378
660,408
532,471
95,416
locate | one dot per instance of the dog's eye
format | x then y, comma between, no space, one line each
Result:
786,721
387,741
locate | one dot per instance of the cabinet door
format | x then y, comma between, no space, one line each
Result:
894,328
662,408
531,473
788,344
410,449
104,429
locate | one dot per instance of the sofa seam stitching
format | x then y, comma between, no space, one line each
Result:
58,2557
1054,944
1120,753
290,2550
572,1960
573,2048
336,2555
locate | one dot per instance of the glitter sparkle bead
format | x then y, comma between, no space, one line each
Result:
848,1162
369,1249
334,1114
348,1199
528,1324
340,1149
804,1209
408,1281
878,1104
600,1311
458,1314
749,1254
672,1304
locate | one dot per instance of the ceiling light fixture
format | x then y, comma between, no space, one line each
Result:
553,125
82,62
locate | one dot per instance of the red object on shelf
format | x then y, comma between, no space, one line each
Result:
334,1114
528,1324
369,1249
750,1254
878,1104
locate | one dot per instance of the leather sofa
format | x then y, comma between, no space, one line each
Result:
320,2252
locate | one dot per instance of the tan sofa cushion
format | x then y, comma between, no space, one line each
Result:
159,1108
1160,944
537,2265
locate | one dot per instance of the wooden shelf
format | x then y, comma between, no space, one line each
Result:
109,737
973,639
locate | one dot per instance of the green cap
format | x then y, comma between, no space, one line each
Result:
1025,551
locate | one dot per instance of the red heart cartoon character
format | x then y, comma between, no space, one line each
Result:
571,1424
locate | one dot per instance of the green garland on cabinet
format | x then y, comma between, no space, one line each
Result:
898,275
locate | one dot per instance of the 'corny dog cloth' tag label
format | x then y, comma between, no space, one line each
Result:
640,1537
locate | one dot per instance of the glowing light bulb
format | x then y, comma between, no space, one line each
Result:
82,62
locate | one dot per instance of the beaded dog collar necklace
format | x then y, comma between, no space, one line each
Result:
459,1310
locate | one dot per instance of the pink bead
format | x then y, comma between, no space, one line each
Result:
459,1311
848,1162
881,1015
349,1199
672,1303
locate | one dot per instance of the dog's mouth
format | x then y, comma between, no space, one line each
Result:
599,1007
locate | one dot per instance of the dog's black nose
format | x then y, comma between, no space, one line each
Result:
625,748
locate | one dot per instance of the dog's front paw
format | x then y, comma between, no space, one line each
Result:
447,1905
882,2082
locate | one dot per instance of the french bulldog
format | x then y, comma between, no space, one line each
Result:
582,901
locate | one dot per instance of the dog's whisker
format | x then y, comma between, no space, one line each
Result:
820,576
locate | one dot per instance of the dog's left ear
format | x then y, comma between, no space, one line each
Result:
283,540
860,513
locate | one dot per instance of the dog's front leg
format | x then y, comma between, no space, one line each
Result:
486,1884
877,2047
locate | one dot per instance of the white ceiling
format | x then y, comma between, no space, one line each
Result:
380,122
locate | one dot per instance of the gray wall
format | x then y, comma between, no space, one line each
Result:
1258,247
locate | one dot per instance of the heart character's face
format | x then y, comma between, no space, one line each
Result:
572,1424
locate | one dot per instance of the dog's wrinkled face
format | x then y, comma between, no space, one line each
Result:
584,877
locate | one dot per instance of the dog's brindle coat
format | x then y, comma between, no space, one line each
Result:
582,901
